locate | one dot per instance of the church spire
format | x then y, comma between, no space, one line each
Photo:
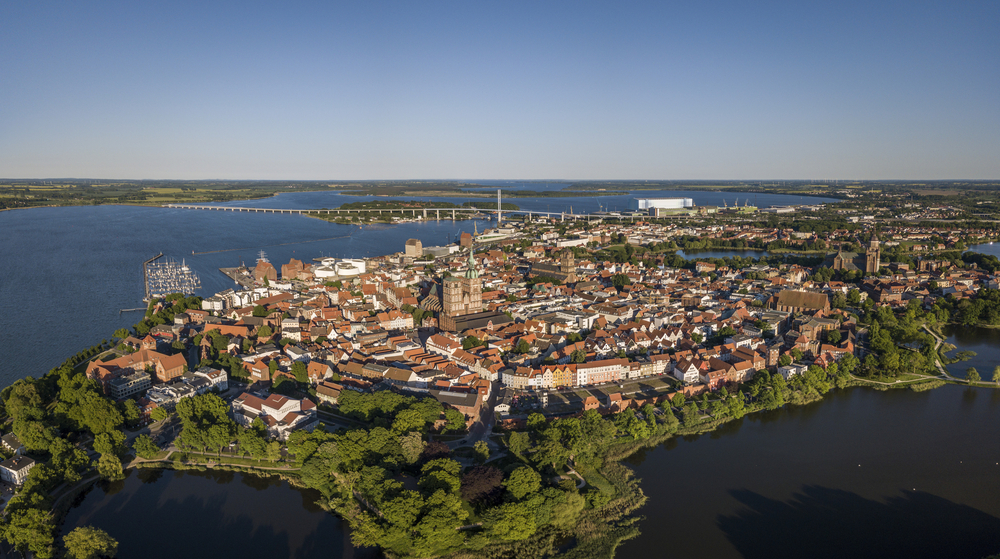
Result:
472,272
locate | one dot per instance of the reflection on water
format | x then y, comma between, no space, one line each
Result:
167,514
860,474
820,522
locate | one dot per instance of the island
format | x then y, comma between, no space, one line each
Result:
478,399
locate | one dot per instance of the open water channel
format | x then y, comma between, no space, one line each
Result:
860,474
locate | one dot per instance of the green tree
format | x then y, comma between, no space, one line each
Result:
578,356
518,442
455,420
833,336
619,281
784,360
87,542
130,411
159,414
470,342
996,374
260,311
145,447
522,346
412,445
301,372
265,331
523,482
31,529
972,375
482,451
110,467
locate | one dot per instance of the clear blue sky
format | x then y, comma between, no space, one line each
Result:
502,89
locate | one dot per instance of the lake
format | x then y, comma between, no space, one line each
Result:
167,514
984,341
862,474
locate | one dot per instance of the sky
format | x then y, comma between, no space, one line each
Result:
500,90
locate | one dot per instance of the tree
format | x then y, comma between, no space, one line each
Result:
784,360
159,414
578,356
619,281
697,337
260,311
301,372
412,445
972,375
518,442
87,542
130,411
522,346
470,342
265,332
482,451
455,418
31,529
145,447
110,467
996,374
833,336
522,482
482,483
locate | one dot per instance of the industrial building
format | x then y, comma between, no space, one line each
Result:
647,204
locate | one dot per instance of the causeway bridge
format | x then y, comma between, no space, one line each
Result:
425,213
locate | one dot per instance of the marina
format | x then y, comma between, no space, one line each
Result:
162,278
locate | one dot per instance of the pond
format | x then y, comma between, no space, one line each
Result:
168,514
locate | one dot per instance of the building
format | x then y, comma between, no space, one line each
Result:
129,385
564,271
462,296
414,248
652,204
800,301
281,415
11,443
15,470
869,262
265,270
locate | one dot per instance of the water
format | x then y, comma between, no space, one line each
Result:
578,204
861,474
166,514
988,248
68,271
984,341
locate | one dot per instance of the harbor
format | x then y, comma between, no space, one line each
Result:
162,278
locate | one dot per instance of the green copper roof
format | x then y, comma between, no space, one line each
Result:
473,273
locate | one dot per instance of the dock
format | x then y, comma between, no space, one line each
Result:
240,276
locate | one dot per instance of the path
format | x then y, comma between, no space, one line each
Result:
937,355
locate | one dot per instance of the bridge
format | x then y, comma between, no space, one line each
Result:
425,213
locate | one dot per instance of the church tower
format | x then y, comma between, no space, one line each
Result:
473,287
872,257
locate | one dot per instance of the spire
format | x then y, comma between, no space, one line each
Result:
472,273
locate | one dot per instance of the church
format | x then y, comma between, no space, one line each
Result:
869,262
462,303
564,271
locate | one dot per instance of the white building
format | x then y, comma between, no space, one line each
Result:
280,415
641,204
15,470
